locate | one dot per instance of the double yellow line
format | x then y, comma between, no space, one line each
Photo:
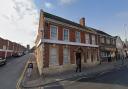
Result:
22,75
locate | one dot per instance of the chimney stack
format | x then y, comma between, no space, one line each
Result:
82,22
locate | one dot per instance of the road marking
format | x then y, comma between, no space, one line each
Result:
62,84
22,75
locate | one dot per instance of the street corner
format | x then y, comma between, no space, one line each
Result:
30,75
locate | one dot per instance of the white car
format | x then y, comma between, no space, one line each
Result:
2,61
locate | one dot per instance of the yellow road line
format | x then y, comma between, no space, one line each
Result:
22,75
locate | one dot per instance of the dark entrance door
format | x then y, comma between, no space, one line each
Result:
78,62
78,57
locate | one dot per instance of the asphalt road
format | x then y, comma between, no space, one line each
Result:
116,79
10,73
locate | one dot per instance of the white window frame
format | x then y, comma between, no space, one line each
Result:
113,41
63,34
87,40
76,37
102,40
56,64
68,56
4,47
51,31
93,39
108,40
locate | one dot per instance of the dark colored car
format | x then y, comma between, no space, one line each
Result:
2,61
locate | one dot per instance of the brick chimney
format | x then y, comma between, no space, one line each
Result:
82,21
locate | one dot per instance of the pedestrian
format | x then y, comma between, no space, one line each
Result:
30,68
78,65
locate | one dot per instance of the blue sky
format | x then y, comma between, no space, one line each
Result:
107,15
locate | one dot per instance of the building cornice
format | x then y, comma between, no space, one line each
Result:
2,50
67,43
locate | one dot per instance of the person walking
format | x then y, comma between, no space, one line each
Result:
78,65
30,68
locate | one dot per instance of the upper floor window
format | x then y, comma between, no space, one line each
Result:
53,32
113,41
87,39
66,34
108,41
102,40
77,36
93,39
4,47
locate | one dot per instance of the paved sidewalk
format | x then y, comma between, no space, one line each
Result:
35,80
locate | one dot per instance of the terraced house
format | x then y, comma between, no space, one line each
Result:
107,46
61,42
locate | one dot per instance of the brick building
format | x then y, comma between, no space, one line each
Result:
9,48
61,42
121,48
107,46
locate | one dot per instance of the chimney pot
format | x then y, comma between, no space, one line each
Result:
82,21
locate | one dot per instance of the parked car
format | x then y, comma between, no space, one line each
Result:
2,61
18,54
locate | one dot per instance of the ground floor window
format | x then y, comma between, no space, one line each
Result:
93,55
65,56
53,59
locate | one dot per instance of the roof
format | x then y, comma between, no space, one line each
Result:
48,15
104,33
51,16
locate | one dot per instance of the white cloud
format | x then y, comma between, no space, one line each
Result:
18,20
48,5
66,1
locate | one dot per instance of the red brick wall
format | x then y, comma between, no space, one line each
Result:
5,42
72,56
60,54
47,31
82,37
72,35
99,41
90,36
96,39
1,43
105,41
10,45
60,33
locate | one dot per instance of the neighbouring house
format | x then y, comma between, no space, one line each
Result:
120,45
107,46
60,42
126,47
9,48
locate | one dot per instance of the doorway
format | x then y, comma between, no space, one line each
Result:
78,58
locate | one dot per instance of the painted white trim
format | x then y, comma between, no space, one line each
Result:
6,50
87,36
68,34
67,43
93,39
57,31
38,43
57,50
76,35
69,62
